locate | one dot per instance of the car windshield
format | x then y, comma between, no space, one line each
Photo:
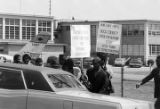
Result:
61,81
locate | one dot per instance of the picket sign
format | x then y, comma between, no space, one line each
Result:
80,41
108,38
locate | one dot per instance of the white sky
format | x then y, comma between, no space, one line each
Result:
86,9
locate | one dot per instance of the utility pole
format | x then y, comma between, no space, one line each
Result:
50,4
20,6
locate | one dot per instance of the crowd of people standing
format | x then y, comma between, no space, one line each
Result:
96,78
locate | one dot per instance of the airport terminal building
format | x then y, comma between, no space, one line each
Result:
140,38
16,30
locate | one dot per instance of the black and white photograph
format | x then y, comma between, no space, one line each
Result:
79,54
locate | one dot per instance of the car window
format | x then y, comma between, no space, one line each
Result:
36,81
11,79
64,81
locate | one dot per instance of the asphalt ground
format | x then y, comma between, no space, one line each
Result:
136,71
131,77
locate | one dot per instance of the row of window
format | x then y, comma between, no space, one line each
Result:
154,49
12,32
135,50
154,33
28,32
138,50
1,31
1,21
154,26
41,23
12,28
29,23
9,21
93,30
127,29
133,29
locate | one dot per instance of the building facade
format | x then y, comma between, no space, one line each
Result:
140,38
17,30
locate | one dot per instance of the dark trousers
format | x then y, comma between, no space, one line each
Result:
157,103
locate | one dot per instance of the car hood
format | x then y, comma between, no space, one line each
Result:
125,103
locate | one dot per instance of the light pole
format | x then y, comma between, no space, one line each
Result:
50,4
20,6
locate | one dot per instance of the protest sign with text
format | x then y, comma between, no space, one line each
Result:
108,38
80,41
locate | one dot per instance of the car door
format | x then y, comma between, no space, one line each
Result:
40,94
13,94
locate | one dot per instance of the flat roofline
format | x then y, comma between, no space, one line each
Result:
96,21
25,42
26,15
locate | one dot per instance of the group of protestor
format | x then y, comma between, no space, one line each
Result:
96,78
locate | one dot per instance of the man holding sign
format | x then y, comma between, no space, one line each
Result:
108,42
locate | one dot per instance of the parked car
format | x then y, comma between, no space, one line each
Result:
35,87
119,61
135,63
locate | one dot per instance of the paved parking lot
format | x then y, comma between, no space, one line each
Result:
128,70
129,90
131,77
131,73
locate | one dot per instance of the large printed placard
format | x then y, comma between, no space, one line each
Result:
108,38
80,41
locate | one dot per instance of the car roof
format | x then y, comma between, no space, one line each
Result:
33,68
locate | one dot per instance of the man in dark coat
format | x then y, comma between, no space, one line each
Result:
155,73
68,65
96,76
